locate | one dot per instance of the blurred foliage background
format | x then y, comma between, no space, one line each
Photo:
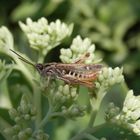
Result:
113,25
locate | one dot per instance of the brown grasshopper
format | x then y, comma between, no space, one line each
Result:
76,73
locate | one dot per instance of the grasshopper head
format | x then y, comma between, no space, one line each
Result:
39,67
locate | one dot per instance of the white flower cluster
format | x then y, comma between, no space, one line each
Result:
77,49
65,93
64,99
45,36
6,40
130,114
109,77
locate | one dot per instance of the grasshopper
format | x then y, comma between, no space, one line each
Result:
76,73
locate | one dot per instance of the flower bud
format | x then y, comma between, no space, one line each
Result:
66,90
13,113
27,117
16,128
22,135
15,137
17,119
28,131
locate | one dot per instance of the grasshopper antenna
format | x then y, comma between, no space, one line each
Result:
22,58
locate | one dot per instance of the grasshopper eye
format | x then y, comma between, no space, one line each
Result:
39,67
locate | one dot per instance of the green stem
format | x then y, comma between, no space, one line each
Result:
92,118
56,114
90,137
37,103
95,104
5,94
45,120
125,88
41,57
47,117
